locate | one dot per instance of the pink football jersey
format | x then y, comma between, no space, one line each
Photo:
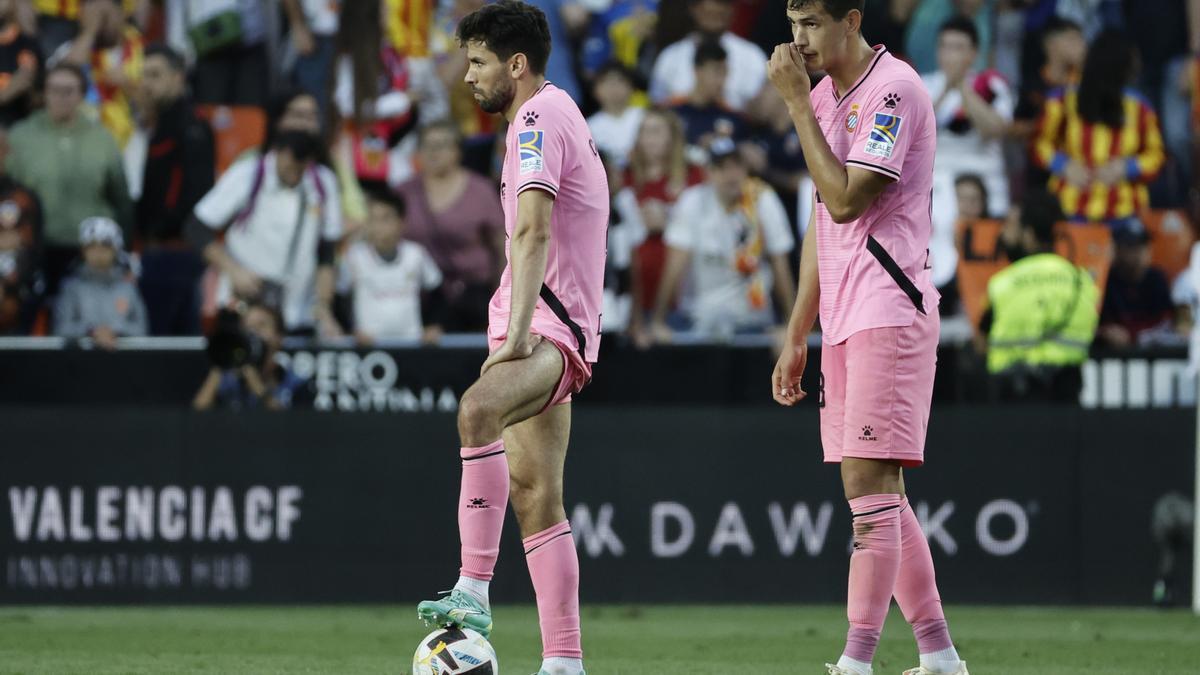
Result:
549,147
874,271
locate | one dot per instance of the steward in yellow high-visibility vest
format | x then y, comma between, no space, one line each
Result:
1042,312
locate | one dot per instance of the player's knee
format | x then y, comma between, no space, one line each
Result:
478,420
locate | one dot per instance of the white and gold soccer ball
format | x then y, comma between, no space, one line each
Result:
455,651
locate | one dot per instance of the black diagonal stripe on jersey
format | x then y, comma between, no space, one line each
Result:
560,311
897,274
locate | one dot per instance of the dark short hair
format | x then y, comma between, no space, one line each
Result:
509,27
1057,24
709,50
838,9
444,124
961,24
1040,212
390,198
173,58
303,146
615,68
72,69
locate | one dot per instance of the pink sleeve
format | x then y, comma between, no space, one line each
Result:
891,119
541,149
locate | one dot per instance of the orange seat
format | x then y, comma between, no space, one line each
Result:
978,240
1171,239
236,129
978,259
1090,246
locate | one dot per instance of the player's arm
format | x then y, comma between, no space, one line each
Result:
785,380
846,191
528,253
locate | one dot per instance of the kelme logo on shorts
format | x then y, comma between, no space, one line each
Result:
868,434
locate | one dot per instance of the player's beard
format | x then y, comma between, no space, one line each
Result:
500,100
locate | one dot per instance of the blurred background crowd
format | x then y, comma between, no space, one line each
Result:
322,164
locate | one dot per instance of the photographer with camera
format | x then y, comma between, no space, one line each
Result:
282,221
243,373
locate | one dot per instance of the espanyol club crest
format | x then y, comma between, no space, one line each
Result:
852,118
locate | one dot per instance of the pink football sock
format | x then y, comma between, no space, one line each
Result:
481,506
873,568
916,588
554,569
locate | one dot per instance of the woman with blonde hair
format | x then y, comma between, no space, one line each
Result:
656,175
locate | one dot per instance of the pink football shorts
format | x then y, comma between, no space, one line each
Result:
877,387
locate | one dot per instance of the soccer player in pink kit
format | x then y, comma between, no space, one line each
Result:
868,135
543,333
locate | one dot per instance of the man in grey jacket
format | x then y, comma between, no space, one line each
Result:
101,299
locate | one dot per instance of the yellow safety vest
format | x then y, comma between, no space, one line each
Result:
1044,313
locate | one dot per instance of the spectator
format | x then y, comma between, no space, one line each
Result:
455,214
1054,61
705,116
971,198
178,171
674,71
477,128
1138,308
110,51
244,374
622,33
282,221
313,28
58,20
625,235
384,92
733,234
657,175
20,65
615,126
101,299
1160,29
72,164
565,18
389,276
775,154
1101,167
973,111
929,15
1042,311
20,252
227,43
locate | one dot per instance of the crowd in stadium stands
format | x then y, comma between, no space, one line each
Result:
324,160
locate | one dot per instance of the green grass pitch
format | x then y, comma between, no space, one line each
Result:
618,640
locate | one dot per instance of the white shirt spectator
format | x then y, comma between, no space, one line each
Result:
961,149
387,294
675,75
717,297
272,237
623,238
615,135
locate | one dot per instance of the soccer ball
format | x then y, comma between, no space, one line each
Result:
455,651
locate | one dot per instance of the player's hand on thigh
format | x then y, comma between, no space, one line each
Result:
785,381
511,350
